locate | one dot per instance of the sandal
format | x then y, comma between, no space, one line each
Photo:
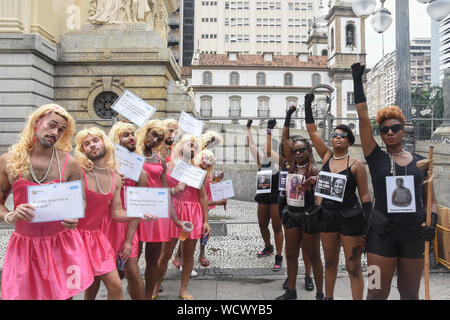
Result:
177,264
204,261
188,297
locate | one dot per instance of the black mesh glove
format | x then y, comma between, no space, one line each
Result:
271,123
428,233
358,89
309,98
249,123
289,113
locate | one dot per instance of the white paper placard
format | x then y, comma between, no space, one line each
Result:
57,201
282,181
153,201
221,190
190,124
188,174
400,192
131,163
294,196
264,181
331,186
133,108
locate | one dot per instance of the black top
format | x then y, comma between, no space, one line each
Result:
379,163
273,195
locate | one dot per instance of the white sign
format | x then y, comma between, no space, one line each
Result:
190,124
282,181
57,201
222,190
188,174
400,193
264,181
153,201
295,196
131,163
133,108
331,186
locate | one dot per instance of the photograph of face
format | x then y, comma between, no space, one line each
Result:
264,181
400,194
294,195
337,188
331,186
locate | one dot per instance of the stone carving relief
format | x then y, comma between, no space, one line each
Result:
121,11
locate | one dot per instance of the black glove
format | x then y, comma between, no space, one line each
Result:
271,123
358,89
428,233
291,110
367,208
309,98
249,123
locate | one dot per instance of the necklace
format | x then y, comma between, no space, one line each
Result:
151,157
33,175
301,165
105,168
98,185
340,158
393,169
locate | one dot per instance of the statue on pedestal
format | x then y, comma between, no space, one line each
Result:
121,11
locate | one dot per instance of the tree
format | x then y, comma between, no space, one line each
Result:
427,103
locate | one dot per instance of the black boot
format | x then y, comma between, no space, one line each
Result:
309,284
288,295
285,284
320,296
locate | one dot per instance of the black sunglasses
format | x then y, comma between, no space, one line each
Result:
395,128
301,150
343,135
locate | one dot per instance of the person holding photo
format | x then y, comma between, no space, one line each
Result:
41,258
395,241
154,233
343,222
268,202
191,205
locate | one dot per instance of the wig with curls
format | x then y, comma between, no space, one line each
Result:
141,134
119,129
178,148
211,137
79,149
392,112
205,153
19,161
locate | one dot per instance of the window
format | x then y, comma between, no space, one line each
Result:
260,79
235,106
332,39
263,107
288,79
315,78
350,35
351,101
324,52
206,106
290,6
207,78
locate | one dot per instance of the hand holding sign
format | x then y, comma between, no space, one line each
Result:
133,108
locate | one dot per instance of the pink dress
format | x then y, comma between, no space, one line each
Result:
44,261
188,208
117,231
156,230
101,253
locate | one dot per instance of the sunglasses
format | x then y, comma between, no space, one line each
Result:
343,135
395,128
299,150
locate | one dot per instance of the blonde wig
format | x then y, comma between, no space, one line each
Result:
168,122
178,148
211,137
155,125
205,153
19,161
79,149
119,129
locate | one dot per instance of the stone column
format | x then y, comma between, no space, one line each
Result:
10,16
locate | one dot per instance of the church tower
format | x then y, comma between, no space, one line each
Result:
346,45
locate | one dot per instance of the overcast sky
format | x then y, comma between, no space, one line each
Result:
419,24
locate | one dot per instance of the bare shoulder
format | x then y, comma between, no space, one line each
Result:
358,164
4,160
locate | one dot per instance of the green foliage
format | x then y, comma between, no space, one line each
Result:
427,103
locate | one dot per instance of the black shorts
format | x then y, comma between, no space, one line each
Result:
333,221
308,224
403,241
267,198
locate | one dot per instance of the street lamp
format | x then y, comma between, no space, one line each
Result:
437,9
363,8
381,19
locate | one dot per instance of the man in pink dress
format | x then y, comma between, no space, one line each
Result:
46,260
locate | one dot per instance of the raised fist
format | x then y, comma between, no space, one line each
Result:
271,123
309,98
291,110
249,123
358,70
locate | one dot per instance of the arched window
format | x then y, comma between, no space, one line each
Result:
234,78
235,106
325,52
263,107
206,106
207,78
293,101
350,35
288,79
332,39
260,79
315,79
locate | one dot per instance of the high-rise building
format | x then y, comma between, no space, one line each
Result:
420,51
254,27
444,60
181,33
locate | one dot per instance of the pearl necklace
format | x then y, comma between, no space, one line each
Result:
298,166
151,157
98,184
340,158
39,181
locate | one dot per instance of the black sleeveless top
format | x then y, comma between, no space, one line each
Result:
350,189
309,202
272,197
